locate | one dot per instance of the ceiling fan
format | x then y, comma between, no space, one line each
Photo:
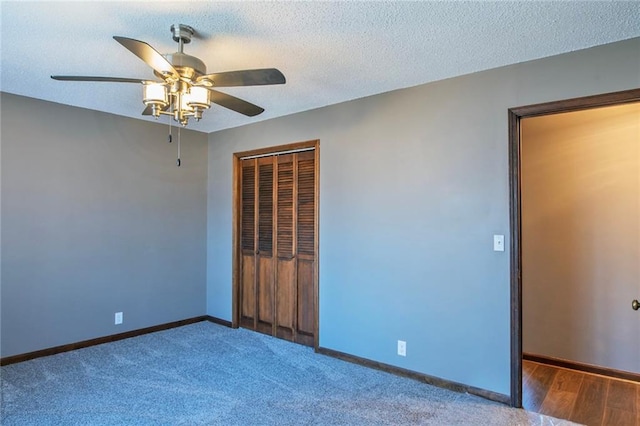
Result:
185,89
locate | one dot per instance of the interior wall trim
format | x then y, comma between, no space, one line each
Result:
218,321
515,115
402,372
581,366
106,339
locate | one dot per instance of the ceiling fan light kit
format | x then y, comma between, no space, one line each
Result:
185,90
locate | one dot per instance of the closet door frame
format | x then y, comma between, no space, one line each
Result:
237,224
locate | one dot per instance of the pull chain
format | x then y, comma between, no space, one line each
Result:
170,138
170,118
178,161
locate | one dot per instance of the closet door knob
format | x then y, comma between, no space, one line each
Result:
635,305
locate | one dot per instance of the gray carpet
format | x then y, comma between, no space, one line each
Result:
206,374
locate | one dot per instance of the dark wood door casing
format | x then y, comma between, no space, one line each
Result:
515,115
275,238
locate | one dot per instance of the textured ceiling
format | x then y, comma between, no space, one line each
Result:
330,52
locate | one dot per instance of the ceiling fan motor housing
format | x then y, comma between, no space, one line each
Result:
187,66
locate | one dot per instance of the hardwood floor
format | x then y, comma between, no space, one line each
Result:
580,397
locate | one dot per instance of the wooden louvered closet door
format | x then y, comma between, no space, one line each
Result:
278,246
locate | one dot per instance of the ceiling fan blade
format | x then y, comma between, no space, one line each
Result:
149,55
246,78
100,79
235,104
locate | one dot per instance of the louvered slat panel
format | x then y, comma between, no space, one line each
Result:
285,209
306,206
265,212
248,205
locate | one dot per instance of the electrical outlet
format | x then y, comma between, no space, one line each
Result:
402,348
118,318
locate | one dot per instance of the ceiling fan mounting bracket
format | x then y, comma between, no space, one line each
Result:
182,33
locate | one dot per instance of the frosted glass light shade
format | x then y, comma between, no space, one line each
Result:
198,98
155,94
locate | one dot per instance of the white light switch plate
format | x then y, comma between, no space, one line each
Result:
498,243
118,318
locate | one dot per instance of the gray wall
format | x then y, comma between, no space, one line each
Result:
96,218
581,236
413,184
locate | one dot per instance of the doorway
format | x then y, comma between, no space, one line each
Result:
275,241
515,176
